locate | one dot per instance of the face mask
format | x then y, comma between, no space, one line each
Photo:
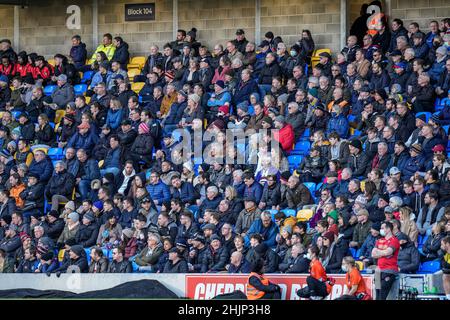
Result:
308,256
293,53
344,268
382,232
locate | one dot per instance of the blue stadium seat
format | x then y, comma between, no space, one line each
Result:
430,267
80,89
311,186
351,118
16,114
427,115
48,90
290,212
306,134
87,76
353,251
273,213
318,186
294,161
176,135
446,128
88,254
301,148
52,124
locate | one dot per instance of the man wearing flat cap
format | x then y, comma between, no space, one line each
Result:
64,93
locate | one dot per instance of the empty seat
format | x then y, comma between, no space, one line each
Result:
87,76
55,153
48,90
137,86
132,73
305,214
301,148
80,89
137,62
294,161
430,266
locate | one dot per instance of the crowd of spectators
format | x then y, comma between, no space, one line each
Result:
120,199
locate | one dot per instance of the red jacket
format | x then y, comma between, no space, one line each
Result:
8,71
44,73
23,71
285,136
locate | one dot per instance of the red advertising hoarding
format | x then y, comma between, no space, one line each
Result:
205,287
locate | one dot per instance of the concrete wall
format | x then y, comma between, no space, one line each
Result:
420,11
289,17
7,22
43,28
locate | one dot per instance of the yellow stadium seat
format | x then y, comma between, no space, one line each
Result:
305,214
1,114
59,115
88,100
101,163
137,86
45,150
360,265
315,57
132,73
51,61
139,61
56,127
363,185
61,255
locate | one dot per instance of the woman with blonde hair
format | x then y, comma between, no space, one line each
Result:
236,204
408,226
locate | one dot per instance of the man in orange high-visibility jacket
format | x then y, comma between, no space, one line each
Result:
258,287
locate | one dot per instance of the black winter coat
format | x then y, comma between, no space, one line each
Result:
87,235
122,55
61,184
408,258
142,147
33,194
268,72
340,251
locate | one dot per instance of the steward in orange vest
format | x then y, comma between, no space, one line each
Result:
258,287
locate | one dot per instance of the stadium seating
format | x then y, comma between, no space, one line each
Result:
48,90
305,214
427,115
315,57
137,63
87,76
289,212
137,86
273,213
16,114
294,161
55,153
80,89
429,267
301,148
132,73
59,115
311,186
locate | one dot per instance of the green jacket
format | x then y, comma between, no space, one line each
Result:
361,232
147,258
